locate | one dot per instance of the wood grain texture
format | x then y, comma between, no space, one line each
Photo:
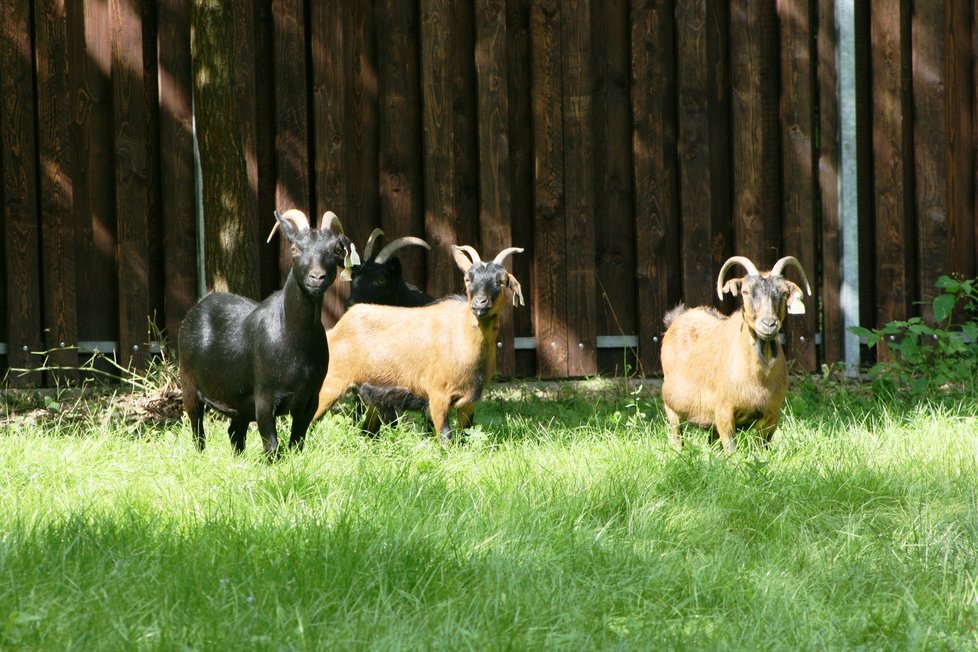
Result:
55,183
292,188
20,186
798,160
959,102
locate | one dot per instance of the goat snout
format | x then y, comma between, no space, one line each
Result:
767,327
317,280
481,305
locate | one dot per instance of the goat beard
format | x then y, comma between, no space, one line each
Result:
767,349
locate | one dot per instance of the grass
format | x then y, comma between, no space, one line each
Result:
566,521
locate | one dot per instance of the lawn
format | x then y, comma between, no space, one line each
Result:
564,522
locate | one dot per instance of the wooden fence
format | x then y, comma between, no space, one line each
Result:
629,147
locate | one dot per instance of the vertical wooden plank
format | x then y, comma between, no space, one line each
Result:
798,160
614,216
92,138
931,148
329,127
522,166
291,120
18,158
829,169
492,72
579,189
132,165
704,152
654,143
960,105
550,291
892,157
56,189
449,145
399,126
756,142
361,152
177,163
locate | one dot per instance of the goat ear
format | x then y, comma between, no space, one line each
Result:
394,265
517,291
462,260
795,305
732,286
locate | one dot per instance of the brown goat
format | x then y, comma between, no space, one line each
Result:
724,372
444,353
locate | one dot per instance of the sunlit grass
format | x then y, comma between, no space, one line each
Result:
565,521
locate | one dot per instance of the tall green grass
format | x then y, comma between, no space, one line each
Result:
564,522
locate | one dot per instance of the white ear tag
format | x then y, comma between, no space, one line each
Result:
795,305
349,261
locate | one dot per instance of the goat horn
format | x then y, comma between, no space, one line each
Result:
293,215
369,247
733,260
400,243
793,262
332,222
473,254
506,253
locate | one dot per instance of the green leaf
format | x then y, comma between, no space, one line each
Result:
943,304
947,283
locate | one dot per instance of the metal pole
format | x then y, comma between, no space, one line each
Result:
848,179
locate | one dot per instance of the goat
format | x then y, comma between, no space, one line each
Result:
443,353
254,361
379,279
727,371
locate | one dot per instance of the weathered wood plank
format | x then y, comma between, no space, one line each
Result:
756,137
177,163
893,160
579,189
132,130
329,127
931,148
614,217
292,187
18,160
655,171
798,161
92,138
549,236
450,144
521,161
399,124
56,189
704,152
829,169
960,104
492,73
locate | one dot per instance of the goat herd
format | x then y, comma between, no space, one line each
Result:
400,349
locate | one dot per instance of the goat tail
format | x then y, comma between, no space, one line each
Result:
672,314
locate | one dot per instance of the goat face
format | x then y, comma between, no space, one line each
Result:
485,282
767,296
315,253
375,282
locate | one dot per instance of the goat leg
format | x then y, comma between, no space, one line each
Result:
767,425
301,418
372,420
439,406
237,431
466,414
727,428
265,416
328,395
675,438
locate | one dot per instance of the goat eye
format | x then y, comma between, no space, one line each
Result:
295,250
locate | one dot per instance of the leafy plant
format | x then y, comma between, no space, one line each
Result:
927,357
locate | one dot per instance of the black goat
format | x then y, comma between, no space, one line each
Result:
254,361
380,279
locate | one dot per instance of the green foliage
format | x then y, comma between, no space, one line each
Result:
930,358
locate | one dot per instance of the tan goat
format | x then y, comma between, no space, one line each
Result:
443,353
727,371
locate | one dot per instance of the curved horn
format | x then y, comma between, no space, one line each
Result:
369,247
293,215
734,260
506,253
473,254
332,222
400,243
793,262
